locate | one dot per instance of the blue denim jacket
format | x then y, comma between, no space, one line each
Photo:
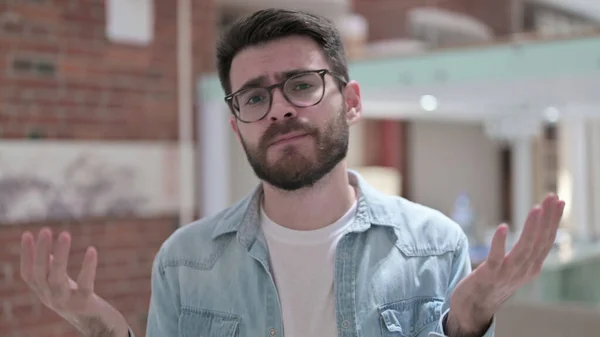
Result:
394,273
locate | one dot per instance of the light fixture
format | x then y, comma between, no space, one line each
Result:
551,114
429,103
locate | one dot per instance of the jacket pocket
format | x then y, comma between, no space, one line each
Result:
205,323
410,318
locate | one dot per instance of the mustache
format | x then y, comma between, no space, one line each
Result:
285,127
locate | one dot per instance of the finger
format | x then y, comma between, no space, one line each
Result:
27,253
551,221
85,280
41,259
524,245
549,206
497,248
557,217
543,232
554,221
558,211
57,275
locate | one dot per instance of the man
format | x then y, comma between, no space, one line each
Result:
314,250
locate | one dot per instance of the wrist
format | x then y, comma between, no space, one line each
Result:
457,325
101,324
469,315
96,326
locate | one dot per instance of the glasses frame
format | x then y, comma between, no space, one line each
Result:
281,85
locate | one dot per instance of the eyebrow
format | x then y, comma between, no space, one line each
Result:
261,80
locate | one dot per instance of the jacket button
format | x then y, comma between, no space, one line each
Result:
272,332
345,324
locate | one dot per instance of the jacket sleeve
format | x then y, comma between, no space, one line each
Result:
461,268
164,311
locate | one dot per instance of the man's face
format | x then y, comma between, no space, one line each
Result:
292,147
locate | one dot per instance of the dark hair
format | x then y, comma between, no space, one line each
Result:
271,24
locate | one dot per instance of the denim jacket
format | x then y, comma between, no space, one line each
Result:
394,272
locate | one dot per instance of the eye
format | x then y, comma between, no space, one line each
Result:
254,99
302,86
253,96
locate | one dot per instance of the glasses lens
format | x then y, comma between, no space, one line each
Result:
251,104
304,90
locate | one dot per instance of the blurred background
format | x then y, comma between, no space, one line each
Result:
113,127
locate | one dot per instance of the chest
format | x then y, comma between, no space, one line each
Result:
373,288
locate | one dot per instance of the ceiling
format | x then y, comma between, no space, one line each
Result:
585,8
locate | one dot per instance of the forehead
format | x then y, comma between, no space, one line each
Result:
269,61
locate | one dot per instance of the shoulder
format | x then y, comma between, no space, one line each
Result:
419,228
199,244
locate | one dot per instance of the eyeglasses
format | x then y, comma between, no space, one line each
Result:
302,90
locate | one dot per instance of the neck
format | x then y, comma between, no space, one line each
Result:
313,207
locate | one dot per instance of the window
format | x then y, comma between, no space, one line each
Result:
130,21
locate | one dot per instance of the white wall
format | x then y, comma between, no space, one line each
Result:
446,159
63,180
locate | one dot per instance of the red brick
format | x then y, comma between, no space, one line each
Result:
73,70
29,46
17,287
36,13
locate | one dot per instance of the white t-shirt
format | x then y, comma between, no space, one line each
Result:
302,263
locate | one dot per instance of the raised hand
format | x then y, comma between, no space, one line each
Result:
44,269
481,294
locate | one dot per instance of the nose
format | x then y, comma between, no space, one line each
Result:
280,107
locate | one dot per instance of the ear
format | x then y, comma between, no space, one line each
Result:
234,127
353,103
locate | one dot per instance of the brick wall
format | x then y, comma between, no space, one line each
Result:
61,79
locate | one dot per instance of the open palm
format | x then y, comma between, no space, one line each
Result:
44,269
501,275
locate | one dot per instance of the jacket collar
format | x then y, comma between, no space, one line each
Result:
373,209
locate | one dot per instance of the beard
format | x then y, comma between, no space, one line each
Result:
293,170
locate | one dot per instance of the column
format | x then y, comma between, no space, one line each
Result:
213,167
522,180
574,184
185,112
519,130
595,176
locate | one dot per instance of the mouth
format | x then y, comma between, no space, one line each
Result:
288,138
